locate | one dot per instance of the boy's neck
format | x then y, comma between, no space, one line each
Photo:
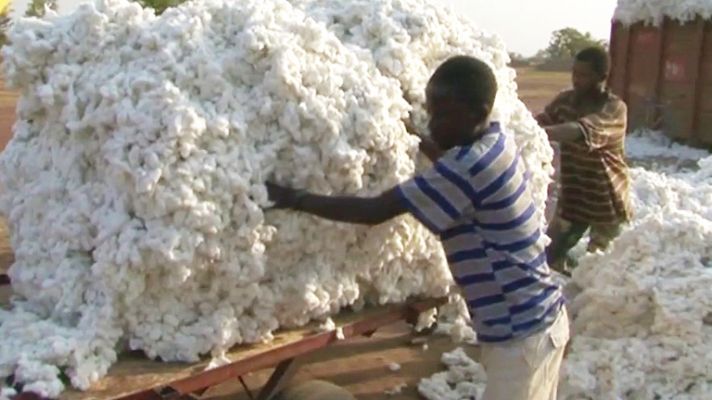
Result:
592,96
479,131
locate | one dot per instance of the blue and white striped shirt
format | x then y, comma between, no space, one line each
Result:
477,199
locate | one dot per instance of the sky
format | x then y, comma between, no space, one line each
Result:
525,25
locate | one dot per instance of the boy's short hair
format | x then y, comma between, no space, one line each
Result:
468,79
597,58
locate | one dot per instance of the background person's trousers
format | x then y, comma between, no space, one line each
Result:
527,369
565,235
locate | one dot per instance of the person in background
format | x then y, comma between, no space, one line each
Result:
589,124
477,199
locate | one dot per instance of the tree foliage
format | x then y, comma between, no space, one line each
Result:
37,8
566,43
5,23
159,6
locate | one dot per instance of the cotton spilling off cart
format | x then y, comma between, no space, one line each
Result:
133,184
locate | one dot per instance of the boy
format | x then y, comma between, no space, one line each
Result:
589,123
476,198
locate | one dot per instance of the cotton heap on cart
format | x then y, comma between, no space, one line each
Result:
134,182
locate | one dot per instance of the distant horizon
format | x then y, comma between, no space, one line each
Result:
525,27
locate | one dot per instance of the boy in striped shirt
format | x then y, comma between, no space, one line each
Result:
477,200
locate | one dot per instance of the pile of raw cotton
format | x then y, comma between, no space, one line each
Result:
134,182
655,11
653,146
642,321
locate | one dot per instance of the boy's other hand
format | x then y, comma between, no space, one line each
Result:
408,122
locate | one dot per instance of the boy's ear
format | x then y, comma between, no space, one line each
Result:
481,113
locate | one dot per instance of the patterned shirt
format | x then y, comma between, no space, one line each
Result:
594,173
477,199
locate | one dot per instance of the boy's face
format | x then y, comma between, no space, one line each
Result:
452,121
585,79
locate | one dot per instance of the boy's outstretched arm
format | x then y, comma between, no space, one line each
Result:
357,210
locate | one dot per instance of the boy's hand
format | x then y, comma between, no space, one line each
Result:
410,127
282,196
544,120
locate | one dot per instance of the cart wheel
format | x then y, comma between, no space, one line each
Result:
315,390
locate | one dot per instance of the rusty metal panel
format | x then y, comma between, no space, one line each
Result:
665,75
704,105
680,65
644,69
705,124
619,58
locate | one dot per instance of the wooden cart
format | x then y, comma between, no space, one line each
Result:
137,378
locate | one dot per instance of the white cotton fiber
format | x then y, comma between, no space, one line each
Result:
464,379
655,11
134,189
654,145
642,327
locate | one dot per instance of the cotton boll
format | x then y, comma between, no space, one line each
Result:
7,393
426,320
396,389
464,379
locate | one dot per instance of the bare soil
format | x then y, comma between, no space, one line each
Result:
538,88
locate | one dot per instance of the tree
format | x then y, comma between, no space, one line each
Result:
38,8
566,43
5,23
518,60
159,6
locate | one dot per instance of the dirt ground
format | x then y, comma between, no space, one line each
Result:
361,366
538,88
8,99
